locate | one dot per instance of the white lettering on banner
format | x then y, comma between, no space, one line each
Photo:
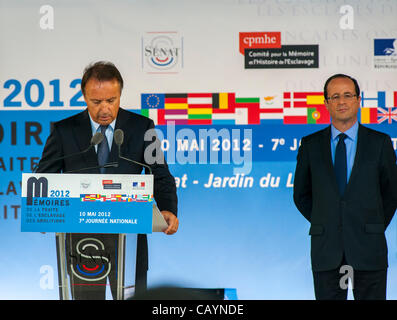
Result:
296,53
106,220
269,180
238,181
289,180
259,40
47,20
181,182
277,142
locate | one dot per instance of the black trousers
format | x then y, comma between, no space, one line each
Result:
366,285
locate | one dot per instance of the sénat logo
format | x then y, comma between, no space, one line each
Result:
162,52
259,40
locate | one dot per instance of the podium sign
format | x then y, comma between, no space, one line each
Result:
81,203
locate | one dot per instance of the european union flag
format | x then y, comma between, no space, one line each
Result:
152,100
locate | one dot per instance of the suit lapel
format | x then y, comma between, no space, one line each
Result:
326,145
83,134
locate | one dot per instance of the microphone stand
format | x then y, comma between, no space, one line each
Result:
106,165
119,139
96,139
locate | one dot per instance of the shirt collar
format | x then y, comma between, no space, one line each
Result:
351,132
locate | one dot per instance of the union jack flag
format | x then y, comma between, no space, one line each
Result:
388,114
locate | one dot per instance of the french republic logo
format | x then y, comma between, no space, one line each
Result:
162,52
138,185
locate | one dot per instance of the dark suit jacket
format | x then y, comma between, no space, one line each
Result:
73,135
355,223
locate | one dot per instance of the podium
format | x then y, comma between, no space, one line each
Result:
90,216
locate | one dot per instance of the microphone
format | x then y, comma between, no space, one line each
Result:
95,140
118,138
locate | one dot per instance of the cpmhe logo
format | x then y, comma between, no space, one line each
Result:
255,40
109,184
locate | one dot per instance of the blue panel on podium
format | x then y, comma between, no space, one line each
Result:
87,203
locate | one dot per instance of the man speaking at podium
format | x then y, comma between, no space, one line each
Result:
101,86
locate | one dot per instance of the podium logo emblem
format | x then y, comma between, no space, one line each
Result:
36,188
109,184
90,261
138,185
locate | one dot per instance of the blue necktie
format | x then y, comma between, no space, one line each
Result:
340,165
103,150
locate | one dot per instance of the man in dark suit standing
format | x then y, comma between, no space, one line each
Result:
346,186
101,86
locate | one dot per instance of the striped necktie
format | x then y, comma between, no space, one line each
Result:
340,165
103,150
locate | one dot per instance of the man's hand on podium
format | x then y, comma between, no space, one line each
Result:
172,222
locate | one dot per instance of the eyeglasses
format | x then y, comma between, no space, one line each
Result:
346,96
